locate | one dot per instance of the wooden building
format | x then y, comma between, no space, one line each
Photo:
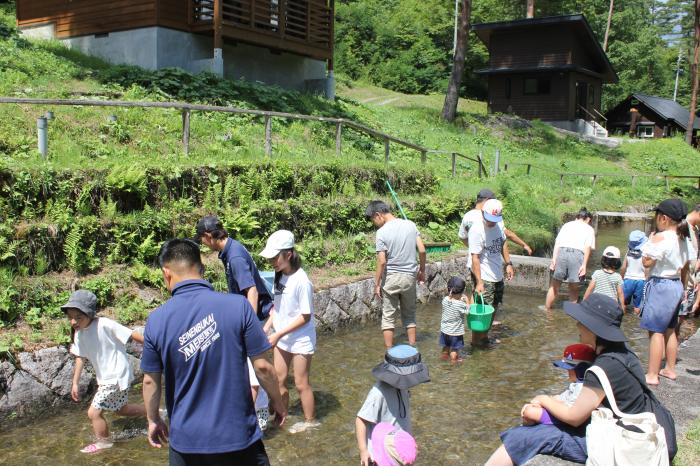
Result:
549,68
266,40
648,116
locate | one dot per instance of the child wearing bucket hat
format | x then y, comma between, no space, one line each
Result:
607,280
666,255
103,342
577,358
632,270
454,308
388,400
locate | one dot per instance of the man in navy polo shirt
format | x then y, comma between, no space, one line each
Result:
200,340
241,272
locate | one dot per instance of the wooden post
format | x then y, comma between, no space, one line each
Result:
698,182
561,179
497,162
668,187
423,157
454,166
505,167
386,152
595,177
634,180
528,169
338,138
186,131
268,135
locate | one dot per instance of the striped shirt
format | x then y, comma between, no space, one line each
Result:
453,311
607,283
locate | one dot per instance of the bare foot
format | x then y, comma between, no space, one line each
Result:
652,380
669,374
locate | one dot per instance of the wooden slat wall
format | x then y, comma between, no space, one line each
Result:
173,14
553,106
84,17
543,47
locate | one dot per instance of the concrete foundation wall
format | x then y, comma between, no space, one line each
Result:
157,47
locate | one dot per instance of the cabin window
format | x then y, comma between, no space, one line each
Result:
645,131
507,88
536,86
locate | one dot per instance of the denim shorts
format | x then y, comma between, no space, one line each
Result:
525,442
660,304
634,291
451,341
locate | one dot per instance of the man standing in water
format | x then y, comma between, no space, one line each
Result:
200,341
397,270
572,248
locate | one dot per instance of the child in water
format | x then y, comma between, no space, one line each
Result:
633,271
454,308
608,281
576,360
103,342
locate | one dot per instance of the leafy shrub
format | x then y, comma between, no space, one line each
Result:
103,287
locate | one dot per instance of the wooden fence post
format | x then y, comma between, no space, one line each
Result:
497,162
561,179
595,177
528,169
505,167
423,157
698,182
338,138
668,187
454,166
186,131
268,135
386,152
634,180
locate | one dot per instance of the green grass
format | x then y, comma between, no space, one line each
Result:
689,446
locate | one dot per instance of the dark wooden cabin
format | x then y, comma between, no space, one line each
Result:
549,68
648,116
303,27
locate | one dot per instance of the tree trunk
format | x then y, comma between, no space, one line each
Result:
694,75
449,109
607,29
530,9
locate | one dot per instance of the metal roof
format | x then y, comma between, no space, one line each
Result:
578,23
667,109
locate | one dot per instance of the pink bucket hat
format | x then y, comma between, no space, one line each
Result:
392,446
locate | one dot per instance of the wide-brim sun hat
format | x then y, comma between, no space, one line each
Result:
392,446
280,240
402,368
637,239
83,300
600,314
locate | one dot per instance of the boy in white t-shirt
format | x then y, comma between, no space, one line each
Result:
489,253
572,248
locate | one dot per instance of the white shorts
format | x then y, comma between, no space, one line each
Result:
110,398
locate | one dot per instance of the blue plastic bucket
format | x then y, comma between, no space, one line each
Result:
269,278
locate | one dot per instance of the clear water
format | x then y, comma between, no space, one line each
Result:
457,416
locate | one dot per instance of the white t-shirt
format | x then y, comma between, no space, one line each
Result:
262,401
671,254
576,234
488,244
293,297
635,269
103,342
472,217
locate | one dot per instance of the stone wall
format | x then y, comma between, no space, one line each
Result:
41,380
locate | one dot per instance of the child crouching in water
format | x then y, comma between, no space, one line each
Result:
454,308
103,342
577,359
608,281
389,402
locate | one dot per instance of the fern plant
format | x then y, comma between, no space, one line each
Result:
72,247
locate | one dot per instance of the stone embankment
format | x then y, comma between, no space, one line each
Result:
41,380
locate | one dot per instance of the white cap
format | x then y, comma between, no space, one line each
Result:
611,251
493,209
278,241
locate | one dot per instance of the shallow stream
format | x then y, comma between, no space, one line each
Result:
456,417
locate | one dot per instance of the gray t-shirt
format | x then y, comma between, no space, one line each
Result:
398,239
385,403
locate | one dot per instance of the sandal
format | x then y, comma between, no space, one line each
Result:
95,447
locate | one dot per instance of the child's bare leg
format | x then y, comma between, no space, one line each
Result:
454,356
531,414
99,424
445,353
132,410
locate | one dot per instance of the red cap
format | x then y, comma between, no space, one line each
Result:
575,354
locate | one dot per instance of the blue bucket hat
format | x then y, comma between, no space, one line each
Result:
402,368
637,239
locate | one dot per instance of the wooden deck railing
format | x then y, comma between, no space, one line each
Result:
186,110
299,26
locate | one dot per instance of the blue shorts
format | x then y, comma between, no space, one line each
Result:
660,304
452,341
633,290
525,442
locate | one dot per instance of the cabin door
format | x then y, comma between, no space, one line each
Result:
581,100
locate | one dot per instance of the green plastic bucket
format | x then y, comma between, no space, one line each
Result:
480,316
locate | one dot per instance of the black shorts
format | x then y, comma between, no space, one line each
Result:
254,455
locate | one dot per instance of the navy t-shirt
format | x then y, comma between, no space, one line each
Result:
200,340
242,273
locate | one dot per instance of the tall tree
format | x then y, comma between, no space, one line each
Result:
449,109
694,76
